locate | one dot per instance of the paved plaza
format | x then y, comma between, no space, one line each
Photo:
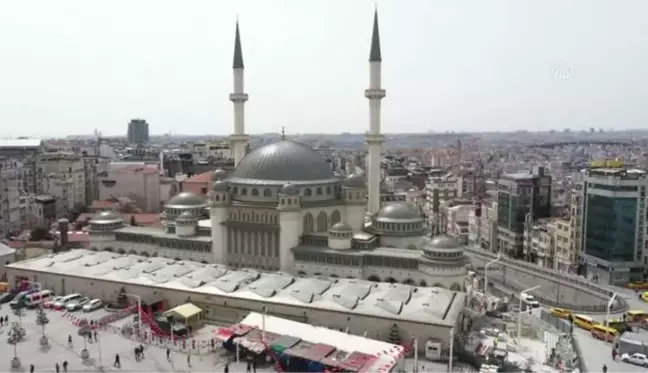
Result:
102,353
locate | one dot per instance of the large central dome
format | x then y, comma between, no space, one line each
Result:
283,161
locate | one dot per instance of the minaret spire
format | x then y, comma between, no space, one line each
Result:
374,54
374,137
238,139
238,51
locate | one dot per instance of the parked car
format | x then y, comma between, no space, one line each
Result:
50,302
77,304
19,299
61,303
636,358
5,298
561,313
92,305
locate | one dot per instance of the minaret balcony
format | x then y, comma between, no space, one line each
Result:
239,137
238,97
375,93
374,138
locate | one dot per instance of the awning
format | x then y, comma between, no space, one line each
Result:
186,311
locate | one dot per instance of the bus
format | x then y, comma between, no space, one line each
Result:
636,316
583,322
599,331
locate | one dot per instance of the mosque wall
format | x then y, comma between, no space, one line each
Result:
399,241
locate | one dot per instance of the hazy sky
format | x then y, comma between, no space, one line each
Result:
67,67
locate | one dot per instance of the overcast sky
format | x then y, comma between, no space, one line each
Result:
67,67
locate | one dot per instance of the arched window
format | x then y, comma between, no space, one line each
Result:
322,222
308,223
308,192
423,283
109,249
455,287
374,278
121,251
335,217
409,281
328,190
243,191
267,193
318,191
255,192
144,253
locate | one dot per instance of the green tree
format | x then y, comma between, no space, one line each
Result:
394,336
42,320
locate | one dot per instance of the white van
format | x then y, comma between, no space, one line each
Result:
60,304
34,299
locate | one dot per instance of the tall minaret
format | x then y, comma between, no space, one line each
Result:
374,138
238,139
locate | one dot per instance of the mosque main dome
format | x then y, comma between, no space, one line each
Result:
281,162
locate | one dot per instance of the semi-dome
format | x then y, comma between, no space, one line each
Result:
341,227
356,181
289,189
106,217
220,186
187,199
282,161
218,174
444,242
398,211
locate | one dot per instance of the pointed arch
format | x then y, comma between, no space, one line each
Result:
334,275
423,283
438,285
391,280
374,278
409,281
132,252
145,253
204,262
335,217
121,251
308,223
109,249
322,222
455,287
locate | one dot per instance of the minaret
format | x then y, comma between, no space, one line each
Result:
374,138
238,139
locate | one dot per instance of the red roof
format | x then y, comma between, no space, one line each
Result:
203,178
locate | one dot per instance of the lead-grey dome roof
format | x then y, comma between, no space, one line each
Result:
106,217
289,190
187,199
444,242
341,227
218,174
355,181
185,215
220,186
398,211
282,161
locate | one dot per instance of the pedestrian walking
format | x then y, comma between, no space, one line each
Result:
248,369
168,354
254,366
226,369
604,368
65,365
70,341
58,369
31,368
141,351
189,360
117,363
95,336
136,353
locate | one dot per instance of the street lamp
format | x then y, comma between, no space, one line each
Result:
607,314
519,320
499,256
139,310
451,349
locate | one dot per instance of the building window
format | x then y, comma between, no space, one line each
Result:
255,192
318,191
308,192
243,191
267,193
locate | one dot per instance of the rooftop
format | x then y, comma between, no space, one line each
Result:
20,143
390,301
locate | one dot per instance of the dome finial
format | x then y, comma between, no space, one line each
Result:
283,133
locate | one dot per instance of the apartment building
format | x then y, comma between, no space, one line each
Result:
482,226
539,242
519,195
63,190
9,193
614,224
139,182
68,167
457,222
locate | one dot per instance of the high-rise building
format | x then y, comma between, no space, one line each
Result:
614,224
519,195
138,131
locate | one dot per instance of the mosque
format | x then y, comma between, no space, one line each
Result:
284,209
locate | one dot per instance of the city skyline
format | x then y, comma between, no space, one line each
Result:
482,67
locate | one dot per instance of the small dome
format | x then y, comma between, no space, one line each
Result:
220,186
444,242
398,211
218,174
63,221
341,227
187,199
106,217
185,216
289,189
356,181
